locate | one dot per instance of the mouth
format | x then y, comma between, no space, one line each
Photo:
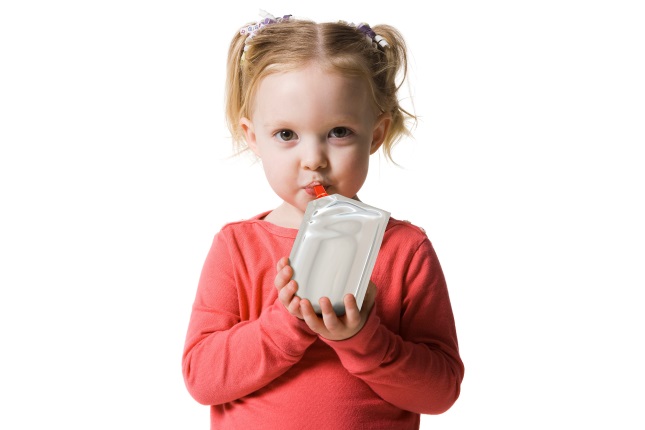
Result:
310,188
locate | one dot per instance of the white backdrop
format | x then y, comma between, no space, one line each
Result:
525,171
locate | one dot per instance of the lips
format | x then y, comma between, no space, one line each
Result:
309,188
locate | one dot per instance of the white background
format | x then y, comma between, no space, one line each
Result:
526,171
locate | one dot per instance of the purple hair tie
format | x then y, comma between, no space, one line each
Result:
366,29
370,35
269,19
251,30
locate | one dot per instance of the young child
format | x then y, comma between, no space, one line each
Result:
313,101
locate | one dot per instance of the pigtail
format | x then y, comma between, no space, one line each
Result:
395,73
395,53
235,89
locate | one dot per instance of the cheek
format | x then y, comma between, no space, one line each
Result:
271,171
361,158
355,165
277,167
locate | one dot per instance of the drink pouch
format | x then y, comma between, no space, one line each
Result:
336,248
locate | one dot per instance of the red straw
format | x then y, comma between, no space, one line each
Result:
320,191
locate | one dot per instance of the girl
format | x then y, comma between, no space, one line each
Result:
313,101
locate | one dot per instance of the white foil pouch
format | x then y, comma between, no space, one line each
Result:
336,248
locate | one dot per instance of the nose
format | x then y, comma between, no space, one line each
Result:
313,156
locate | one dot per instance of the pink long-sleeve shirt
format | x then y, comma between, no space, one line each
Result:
261,368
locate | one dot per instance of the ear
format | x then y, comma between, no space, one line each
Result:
381,128
249,135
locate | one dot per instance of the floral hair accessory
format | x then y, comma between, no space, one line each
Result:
370,35
251,30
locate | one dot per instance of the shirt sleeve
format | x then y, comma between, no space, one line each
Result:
225,358
419,369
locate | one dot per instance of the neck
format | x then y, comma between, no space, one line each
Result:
285,216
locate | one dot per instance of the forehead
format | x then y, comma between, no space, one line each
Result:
313,86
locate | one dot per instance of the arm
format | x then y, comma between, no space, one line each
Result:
420,369
226,358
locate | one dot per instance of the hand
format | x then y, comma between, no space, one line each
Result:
333,327
287,287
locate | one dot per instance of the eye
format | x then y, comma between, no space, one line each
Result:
339,132
286,135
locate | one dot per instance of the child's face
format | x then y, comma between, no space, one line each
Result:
313,127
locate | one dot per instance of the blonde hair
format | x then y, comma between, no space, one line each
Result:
341,47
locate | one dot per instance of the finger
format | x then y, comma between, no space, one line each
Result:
352,313
283,276
328,315
287,292
282,262
310,317
294,307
